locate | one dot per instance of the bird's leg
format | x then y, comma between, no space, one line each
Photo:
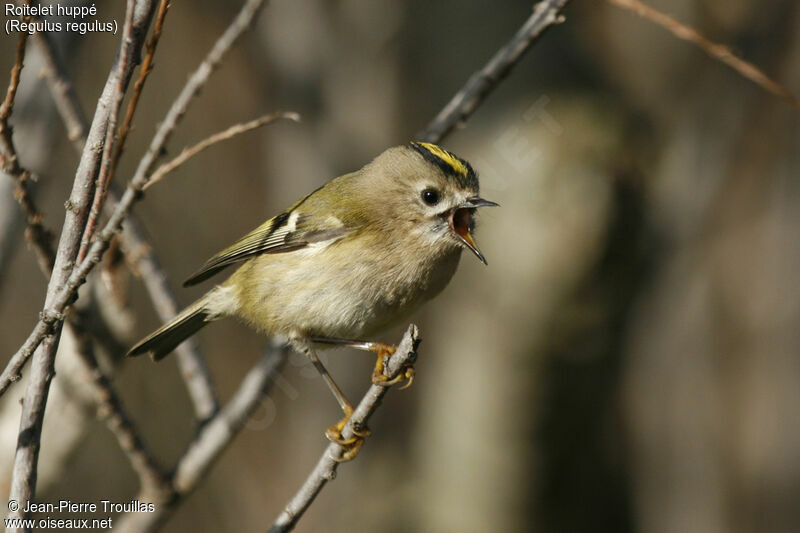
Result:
334,433
383,351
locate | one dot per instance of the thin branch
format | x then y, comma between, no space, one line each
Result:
717,51
52,315
59,296
62,91
212,440
144,72
219,432
36,233
480,84
103,175
101,187
237,129
196,82
190,360
456,112
10,160
154,481
109,403
23,482
326,467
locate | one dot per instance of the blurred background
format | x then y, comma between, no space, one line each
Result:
629,361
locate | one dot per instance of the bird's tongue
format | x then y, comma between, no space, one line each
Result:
461,223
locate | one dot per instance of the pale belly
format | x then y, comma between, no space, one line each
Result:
289,294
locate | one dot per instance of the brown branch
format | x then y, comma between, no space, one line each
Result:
144,72
154,481
717,51
190,360
62,91
10,160
36,233
483,82
103,175
237,129
326,467
52,314
23,483
196,81
101,187
212,440
109,403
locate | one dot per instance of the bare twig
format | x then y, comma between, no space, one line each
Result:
9,153
237,129
719,52
154,481
106,178
25,461
219,432
76,213
325,470
58,297
52,315
478,87
103,175
457,110
212,440
196,81
108,401
37,234
144,72
190,360
63,91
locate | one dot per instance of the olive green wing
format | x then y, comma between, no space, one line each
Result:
286,232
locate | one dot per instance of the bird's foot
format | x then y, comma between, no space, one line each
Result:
350,445
385,351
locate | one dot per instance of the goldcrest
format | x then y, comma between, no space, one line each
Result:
363,251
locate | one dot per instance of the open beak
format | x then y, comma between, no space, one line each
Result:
461,223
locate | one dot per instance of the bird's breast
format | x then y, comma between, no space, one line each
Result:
340,290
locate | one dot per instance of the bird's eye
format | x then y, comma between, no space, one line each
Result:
430,196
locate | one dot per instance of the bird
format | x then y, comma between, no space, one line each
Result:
360,253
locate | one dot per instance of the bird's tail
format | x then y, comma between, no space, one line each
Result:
185,324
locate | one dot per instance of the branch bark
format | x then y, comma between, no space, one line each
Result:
24,474
483,82
37,234
52,315
720,52
106,178
212,440
190,360
326,467
109,407
237,129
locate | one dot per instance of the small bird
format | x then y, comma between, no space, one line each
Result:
363,251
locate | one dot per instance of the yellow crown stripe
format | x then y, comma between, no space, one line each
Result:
451,160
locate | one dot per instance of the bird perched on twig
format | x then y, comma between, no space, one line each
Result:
363,251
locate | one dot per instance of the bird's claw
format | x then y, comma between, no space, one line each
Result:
406,374
379,378
350,445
